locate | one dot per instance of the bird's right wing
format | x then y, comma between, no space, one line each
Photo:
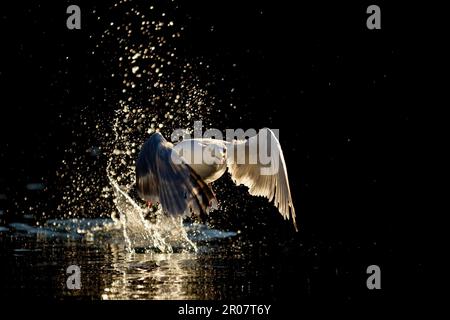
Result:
162,176
263,177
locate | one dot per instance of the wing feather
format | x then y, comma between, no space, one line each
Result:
249,169
172,183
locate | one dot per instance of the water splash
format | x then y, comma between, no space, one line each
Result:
164,234
157,89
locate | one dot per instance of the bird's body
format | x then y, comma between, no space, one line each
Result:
209,172
179,176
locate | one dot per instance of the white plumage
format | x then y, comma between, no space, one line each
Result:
178,176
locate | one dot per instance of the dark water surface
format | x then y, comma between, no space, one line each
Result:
225,266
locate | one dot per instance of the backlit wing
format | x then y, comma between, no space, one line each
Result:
264,176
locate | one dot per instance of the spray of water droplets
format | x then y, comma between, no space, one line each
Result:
156,90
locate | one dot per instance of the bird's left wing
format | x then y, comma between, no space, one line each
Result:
162,176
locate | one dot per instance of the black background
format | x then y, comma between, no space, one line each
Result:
341,95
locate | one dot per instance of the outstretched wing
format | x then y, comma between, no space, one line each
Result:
162,176
258,163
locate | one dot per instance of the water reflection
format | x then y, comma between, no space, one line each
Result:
38,259
151,275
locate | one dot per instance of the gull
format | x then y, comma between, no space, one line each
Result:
180,176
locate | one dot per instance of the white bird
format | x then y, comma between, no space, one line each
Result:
180,176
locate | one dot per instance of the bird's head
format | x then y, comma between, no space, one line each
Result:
218,153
